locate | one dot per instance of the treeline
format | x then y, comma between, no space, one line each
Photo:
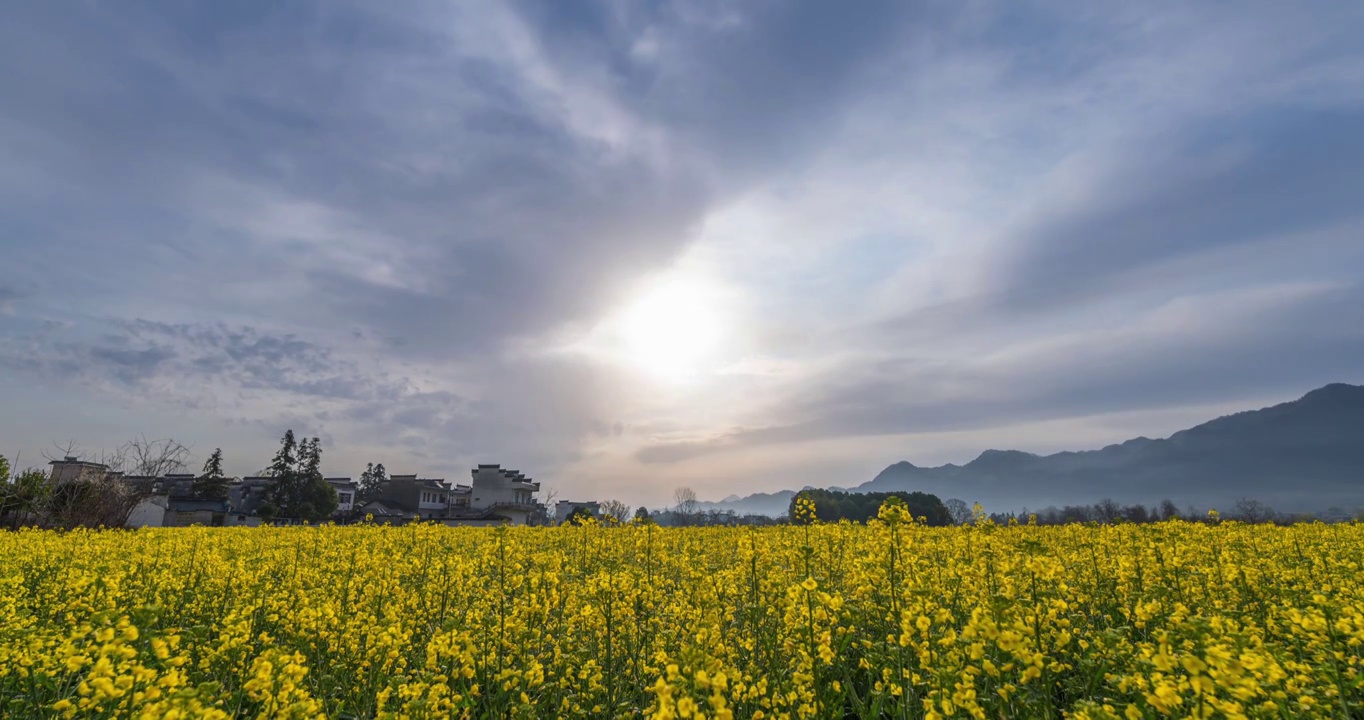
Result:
1107,512
709,518
32,497
834,505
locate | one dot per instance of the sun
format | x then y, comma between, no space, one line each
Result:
673,330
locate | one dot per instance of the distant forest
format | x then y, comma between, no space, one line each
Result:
834,505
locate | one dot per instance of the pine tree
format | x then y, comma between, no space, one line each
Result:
280,496
212,485
299,491
283,464
310,459
371,481
317,497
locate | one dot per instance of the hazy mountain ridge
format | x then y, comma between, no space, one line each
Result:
1302,455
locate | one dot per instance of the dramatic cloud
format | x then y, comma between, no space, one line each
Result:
1209,350
407,228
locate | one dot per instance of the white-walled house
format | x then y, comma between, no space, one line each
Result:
347,491
507,493
149,512
170,502
494,496
407,497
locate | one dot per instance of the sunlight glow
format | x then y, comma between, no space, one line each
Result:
673,330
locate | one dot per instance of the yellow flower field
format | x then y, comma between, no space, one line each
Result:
888,620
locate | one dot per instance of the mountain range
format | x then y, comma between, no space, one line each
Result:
1300,456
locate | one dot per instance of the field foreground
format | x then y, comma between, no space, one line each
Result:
1174,619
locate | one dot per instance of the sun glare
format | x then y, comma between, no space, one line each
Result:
672,330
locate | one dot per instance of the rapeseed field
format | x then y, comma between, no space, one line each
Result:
887,620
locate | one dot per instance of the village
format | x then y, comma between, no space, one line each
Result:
493,496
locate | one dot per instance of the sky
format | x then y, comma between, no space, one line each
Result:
626,247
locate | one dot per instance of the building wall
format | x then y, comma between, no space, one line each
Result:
492,486
429,498
346,492
71,470
432,499
151,512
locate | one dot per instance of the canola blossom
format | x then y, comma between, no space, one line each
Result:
887,620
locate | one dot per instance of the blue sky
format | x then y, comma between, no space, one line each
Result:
443,233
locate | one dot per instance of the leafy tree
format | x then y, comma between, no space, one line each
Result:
642,515
372,482
212,484
23,497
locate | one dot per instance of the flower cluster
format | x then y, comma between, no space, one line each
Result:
890,619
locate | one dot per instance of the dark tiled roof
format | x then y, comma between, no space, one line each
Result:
74,461
384,508
194,505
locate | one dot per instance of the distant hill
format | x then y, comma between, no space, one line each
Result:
773,504
1303,455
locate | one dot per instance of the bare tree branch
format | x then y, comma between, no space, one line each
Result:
64,451
154,458
685,499
615,509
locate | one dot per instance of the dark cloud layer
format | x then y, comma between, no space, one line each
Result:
144,354
391,221
1244,181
